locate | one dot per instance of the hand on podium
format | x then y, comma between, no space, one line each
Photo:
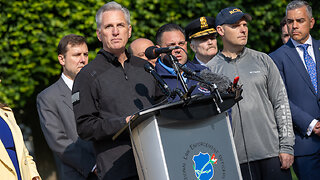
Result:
128,118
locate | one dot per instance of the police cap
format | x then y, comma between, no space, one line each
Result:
199,27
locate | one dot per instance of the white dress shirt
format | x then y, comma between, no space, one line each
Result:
311,53
68,81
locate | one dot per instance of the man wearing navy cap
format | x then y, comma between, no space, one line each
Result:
263,132
202,35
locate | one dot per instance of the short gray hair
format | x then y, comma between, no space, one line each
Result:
109,7
298,4
192,41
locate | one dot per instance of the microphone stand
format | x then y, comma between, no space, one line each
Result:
177,70
213,89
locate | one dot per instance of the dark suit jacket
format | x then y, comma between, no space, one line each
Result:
75,156
304,102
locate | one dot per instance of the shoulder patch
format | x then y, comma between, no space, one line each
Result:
75,97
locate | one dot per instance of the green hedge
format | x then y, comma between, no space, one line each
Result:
30,31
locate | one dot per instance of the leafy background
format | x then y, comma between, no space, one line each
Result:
30,31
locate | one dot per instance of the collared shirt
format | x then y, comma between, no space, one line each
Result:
171,70
200,62
68,81
300,51
311,53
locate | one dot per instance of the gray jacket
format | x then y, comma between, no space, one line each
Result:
265,112
76,157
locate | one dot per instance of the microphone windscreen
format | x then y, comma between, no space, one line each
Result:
149,52
222,82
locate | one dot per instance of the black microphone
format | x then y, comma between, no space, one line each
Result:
167,61
153,52
222,82
187,70
161,83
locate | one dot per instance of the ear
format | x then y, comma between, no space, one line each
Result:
193,48
61,59
130,29
312,21
98,34
220,30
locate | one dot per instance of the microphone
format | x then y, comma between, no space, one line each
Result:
222,82
161,83
153,52
187,70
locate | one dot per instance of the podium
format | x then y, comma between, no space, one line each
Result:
185,141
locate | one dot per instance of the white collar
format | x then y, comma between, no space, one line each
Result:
68,81
309,41
201,63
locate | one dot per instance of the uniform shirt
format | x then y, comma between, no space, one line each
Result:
200,62
169,76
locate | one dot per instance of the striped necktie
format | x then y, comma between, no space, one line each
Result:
311,65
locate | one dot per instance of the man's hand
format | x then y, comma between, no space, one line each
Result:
95,171
316,129
286,160
128,118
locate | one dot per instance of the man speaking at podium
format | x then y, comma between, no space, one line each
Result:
108,90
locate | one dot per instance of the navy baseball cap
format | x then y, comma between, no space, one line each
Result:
231,15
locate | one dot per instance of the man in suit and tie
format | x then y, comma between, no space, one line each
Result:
297,61
74,157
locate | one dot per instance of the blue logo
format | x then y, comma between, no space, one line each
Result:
203,166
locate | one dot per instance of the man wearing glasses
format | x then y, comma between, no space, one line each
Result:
173,35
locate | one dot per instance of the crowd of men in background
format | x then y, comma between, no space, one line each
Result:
92,101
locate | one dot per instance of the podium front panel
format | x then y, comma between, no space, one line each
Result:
201,149
190,149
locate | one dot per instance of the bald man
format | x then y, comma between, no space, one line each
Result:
139,46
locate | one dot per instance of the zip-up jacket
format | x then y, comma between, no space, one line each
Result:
104,94
265,112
